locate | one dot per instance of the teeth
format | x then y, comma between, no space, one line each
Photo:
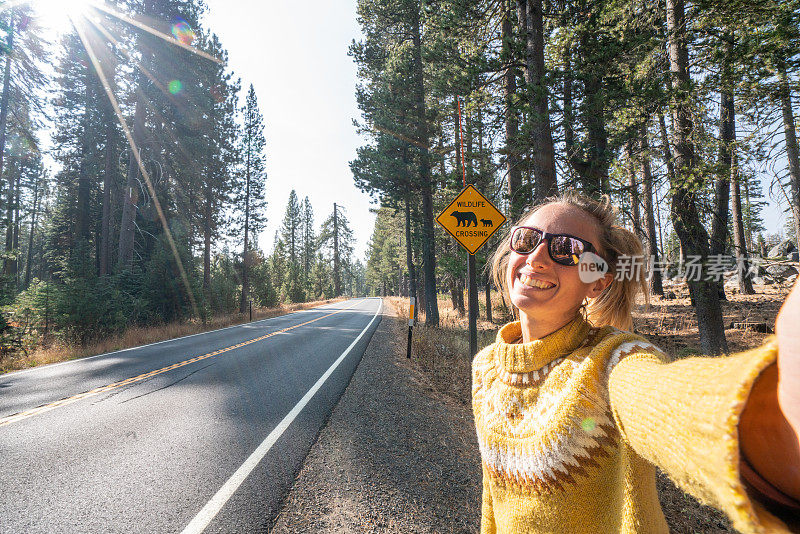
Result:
531,282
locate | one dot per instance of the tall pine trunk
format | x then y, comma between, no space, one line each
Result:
517,197
656,285
570,150
748,230
792,150
727,136
412,273
207,230
4,104
14,262
108,173
130,195
685,218
597,168
531,21
9,247
29,255
633,190
337,277
662,128
739,241
428,252
6,99
246,250
82,222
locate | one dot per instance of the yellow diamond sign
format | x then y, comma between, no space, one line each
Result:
471,219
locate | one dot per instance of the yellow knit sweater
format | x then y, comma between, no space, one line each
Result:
571,427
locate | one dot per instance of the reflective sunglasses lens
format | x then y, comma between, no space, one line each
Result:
566,250
524,240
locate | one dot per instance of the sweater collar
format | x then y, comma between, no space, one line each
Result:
524,357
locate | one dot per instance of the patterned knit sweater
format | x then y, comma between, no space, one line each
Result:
571,427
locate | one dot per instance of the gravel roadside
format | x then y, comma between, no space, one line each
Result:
395,456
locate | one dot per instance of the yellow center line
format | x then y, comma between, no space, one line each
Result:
102,389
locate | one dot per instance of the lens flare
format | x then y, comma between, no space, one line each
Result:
183,32
175,87
588,424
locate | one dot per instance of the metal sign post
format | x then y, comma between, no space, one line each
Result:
472,297
471,219
410,324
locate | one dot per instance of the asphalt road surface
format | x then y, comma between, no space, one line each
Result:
198,434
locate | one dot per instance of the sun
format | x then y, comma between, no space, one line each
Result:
58,14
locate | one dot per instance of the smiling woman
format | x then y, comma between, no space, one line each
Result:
573,413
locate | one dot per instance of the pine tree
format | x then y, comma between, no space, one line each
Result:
21,103
251,194
291,237
292,229
336,238
79,119
309,245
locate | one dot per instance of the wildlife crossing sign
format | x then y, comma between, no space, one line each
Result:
471,219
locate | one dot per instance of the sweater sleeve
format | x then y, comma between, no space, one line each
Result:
683,417
487,511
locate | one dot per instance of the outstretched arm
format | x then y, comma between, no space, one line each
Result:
769,429
686,417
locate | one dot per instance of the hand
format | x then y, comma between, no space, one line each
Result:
787,330
769,427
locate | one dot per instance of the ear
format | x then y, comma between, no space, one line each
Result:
595,288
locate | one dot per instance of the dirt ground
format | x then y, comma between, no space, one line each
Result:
671,324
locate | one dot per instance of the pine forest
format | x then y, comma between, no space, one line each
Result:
160,186
684,113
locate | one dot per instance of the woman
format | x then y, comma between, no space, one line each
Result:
573,413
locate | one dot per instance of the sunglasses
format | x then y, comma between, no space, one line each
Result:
564,249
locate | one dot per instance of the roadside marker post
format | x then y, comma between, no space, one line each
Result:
410,324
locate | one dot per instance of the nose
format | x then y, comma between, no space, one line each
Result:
539,257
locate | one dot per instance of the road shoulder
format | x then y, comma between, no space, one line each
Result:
394,456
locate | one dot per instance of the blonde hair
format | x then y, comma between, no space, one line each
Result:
614,305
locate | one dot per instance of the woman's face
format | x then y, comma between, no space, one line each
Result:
537,284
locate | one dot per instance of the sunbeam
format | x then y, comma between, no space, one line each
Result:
57,13
67,10
135,151
177,39
75,12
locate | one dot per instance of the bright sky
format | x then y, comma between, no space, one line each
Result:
295,55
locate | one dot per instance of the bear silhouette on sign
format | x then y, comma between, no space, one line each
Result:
487,222
464,218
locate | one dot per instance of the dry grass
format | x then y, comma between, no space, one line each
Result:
442,354
137,336
671,324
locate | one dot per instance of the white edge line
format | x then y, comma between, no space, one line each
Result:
212,507
51,365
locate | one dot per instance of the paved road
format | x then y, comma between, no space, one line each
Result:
202,433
